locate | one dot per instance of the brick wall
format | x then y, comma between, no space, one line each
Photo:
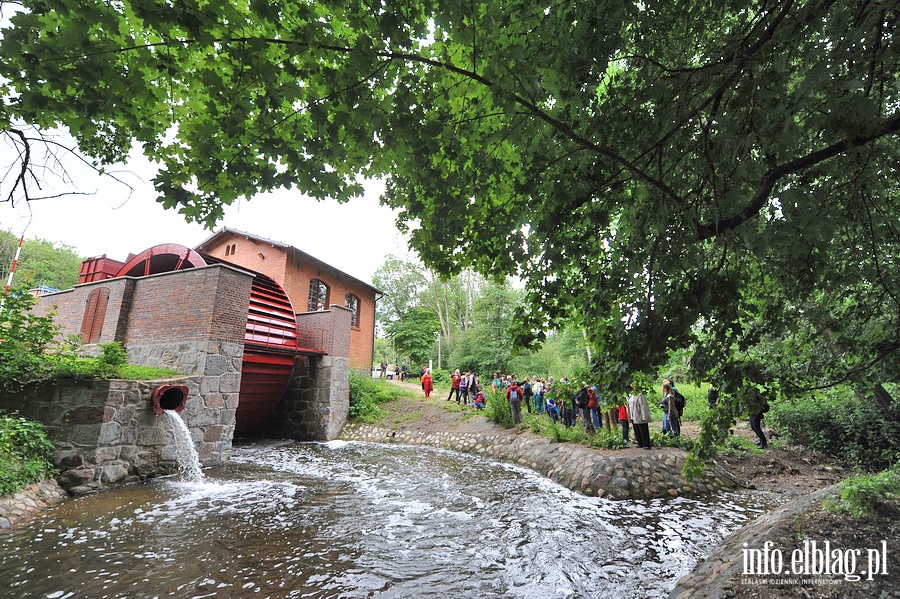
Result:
293,270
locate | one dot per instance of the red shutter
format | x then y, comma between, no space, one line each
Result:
94,314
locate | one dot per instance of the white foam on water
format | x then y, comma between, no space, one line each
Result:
336,444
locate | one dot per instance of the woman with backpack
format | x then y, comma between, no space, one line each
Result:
670,409
514,396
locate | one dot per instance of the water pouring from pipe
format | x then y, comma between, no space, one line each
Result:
185,454
170,400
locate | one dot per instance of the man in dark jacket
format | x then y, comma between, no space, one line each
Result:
757,406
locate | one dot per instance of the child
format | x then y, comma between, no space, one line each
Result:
552,409
479,400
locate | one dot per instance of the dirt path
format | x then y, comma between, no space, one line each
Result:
778,468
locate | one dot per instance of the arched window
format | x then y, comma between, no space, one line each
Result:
318,296
352,302
94,314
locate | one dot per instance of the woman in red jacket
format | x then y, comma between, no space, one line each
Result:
427,383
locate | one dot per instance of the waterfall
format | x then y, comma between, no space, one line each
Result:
185,454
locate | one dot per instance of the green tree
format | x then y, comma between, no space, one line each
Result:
41,262
414,335
26,342
658,173
401,281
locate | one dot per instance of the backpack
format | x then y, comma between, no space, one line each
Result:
513,393
464,382
680,401
593,402
581,399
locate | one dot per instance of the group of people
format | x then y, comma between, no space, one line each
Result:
466,386
583,404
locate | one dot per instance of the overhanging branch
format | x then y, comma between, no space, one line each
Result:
764,190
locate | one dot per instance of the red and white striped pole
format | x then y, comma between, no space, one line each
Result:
13,268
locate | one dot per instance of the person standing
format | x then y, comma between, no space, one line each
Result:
623,421
454,385
462,392
582,402
670,409
594,406
383,368
538,388
757,406
427,383
639,412
514,397
568,405
528,392
665,421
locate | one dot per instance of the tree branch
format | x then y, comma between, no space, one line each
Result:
763,191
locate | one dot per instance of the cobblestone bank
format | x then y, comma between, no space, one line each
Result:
29,501
655,473
721,575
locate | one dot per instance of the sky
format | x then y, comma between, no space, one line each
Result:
112,219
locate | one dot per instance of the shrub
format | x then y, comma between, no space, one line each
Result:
25,453
661,439
497,410
862,495
25,340
839,424
367,394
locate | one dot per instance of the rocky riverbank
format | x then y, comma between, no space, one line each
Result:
802,478
31,500
628,474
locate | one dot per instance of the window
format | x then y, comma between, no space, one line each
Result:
94,314
229,249
352,302
318,296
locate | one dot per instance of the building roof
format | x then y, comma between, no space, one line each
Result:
224,232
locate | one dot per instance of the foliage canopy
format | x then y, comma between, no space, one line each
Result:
720,172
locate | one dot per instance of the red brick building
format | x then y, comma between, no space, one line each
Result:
311,284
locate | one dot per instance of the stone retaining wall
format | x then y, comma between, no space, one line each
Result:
105,432
31,500
655,473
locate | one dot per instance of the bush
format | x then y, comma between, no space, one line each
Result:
25,453
496,409
862,495
839,424
25,340
366,394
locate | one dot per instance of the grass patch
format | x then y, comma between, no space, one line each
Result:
367,395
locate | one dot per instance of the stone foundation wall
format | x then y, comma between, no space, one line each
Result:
652,474
316,403
106,433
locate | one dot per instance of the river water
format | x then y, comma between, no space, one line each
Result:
362,520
